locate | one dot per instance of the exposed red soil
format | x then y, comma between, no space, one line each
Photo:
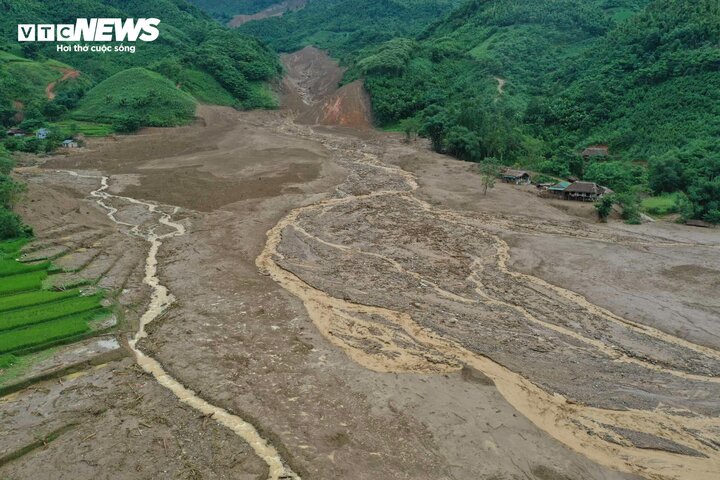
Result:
67,74
317,99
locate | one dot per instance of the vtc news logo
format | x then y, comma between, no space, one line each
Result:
92,30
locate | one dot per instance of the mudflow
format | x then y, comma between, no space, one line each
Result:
305,297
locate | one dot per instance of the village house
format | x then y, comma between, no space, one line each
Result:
558,190
42,134
16,132
69,144
518,177
584,191
596,151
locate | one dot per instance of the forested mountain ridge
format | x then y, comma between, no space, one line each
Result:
224,10
650,89
345,27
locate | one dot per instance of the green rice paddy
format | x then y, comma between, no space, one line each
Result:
33,318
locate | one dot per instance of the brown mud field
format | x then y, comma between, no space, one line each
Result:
305,297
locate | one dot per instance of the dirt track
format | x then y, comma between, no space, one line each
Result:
67,74
374,316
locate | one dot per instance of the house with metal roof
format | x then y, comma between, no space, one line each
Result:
557,189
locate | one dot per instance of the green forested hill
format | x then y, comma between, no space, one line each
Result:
152,97
345,27
224,10
206,60
650,88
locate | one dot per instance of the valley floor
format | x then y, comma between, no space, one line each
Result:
372,314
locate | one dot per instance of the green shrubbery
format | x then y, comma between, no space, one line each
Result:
11,225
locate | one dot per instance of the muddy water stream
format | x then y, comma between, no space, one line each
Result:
160,300
419,349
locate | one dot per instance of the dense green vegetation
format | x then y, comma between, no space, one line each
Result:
224,10
32,318
42,313
36,297
45,333
11,225
197,55
345,27
153,99
535,82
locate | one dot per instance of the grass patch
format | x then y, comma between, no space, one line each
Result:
48,311
89,129
54,332
45,333
205,88
7,360
660,205
22,282
12,302
33,319
11,267
10,248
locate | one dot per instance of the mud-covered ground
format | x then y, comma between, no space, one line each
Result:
372,314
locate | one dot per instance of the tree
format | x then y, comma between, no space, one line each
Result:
128,124
10,191
6,165
620,176
630,207
665,175
462,143
604,207
11,225
489,171
411,127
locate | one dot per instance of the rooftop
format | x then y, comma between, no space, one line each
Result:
515,173
559,187
585,187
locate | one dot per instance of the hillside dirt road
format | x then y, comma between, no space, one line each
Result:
368,312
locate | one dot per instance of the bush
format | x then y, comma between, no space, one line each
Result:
6,165
129,124
604,207
7,360
11,225
630,207
10,191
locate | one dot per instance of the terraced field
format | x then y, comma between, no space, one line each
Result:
35,311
